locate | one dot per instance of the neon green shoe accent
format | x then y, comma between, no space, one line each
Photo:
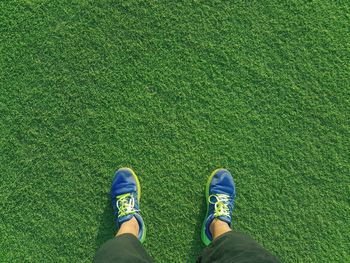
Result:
204,237
143,238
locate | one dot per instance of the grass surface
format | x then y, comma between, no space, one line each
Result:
174,90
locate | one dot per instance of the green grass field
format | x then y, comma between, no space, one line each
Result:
174,90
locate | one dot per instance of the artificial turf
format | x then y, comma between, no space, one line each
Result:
174,89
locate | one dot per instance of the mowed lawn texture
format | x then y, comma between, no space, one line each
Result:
174,90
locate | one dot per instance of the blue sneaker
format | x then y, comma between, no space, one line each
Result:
126,195
220,195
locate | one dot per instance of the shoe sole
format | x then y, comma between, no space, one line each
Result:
204,237
138,186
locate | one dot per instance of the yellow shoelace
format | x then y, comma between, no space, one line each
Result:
221,204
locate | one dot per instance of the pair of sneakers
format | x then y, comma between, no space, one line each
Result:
219,195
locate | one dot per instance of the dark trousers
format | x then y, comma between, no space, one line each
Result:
230,247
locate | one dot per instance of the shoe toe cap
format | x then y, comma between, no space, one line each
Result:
123,182
222,183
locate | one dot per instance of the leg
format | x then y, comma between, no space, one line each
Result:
224,245
122,248
236,247
126,246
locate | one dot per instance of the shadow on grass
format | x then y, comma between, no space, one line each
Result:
197,245
107,228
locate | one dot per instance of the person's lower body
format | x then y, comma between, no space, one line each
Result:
230,247
223,244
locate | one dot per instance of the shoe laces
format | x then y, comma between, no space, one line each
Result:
126,205
221,204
